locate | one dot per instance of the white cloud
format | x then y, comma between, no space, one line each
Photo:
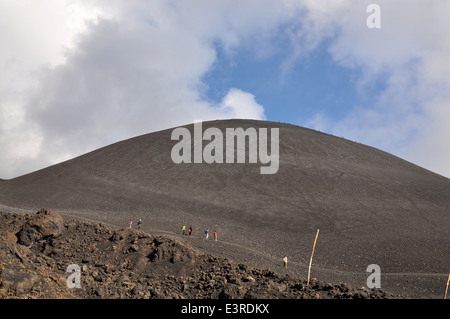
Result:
409,55
240,104
34,35
92,73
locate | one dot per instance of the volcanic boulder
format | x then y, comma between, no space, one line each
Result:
19,281
43,225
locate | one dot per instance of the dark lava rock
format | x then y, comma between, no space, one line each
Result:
18,281
127,263
44,224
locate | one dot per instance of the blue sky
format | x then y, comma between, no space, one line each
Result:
315,83
77,75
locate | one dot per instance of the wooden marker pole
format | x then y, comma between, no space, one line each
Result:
310,261
446,288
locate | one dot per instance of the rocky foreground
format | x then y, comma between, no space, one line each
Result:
36,251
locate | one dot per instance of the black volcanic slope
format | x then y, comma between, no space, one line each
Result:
371,207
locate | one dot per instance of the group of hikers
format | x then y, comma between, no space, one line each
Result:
130,223
183,229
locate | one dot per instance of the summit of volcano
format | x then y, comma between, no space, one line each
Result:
371,207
